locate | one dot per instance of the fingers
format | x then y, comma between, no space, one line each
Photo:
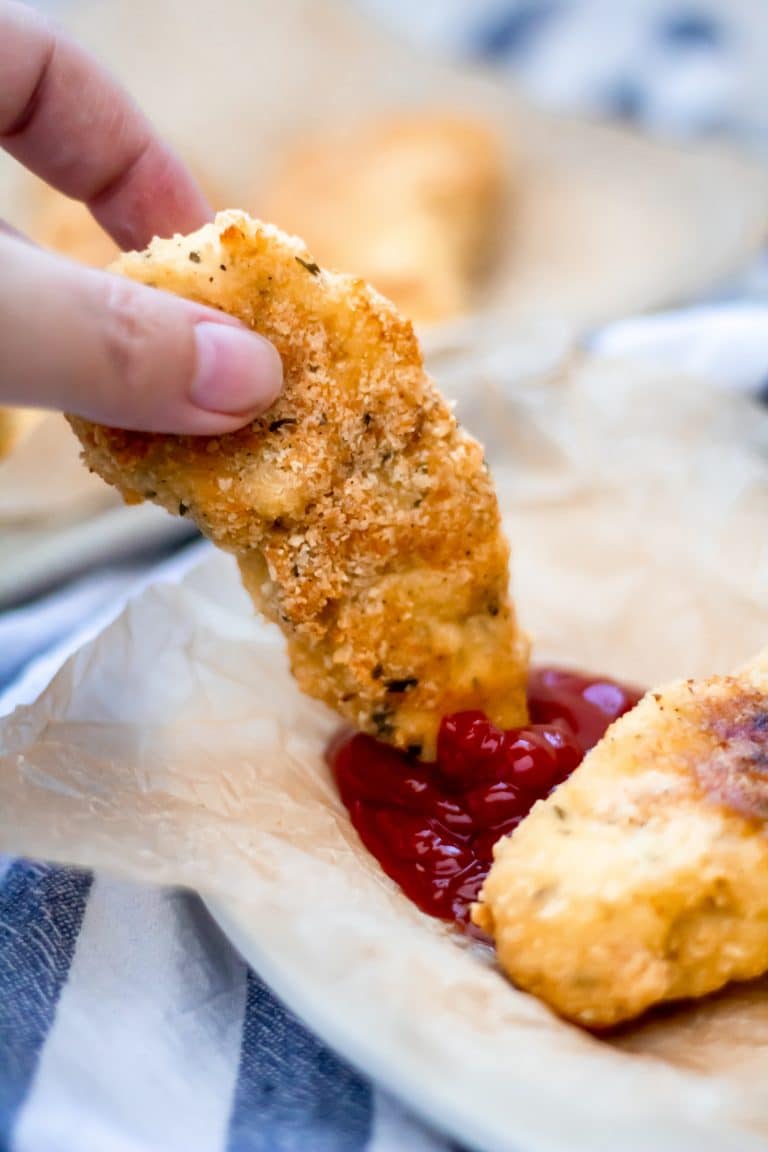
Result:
64,117
123,354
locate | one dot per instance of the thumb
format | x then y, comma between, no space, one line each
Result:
103,347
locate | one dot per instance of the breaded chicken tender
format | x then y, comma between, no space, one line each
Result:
644,878
412,203
363,518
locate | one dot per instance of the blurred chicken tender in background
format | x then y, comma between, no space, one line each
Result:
67,227
14,425
412,203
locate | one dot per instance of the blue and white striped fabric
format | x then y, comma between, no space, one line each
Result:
127,1021
688,68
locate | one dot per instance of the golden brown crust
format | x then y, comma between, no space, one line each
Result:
644,878
363,518
735,775
411,203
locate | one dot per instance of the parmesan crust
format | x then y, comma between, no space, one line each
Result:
363,518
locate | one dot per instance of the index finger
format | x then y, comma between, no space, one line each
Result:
65,118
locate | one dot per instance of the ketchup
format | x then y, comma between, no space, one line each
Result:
432,826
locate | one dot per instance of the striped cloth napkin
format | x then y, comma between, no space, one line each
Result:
129,1024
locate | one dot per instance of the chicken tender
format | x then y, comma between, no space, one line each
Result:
644,877
412,203
364,520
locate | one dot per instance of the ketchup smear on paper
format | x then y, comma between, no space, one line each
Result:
432,826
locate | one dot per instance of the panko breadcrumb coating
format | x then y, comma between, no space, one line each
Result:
644,877
412,203
363,518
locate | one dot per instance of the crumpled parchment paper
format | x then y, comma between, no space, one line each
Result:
175,748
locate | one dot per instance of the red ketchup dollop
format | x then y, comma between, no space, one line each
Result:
432,826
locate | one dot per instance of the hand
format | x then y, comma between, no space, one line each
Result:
89,342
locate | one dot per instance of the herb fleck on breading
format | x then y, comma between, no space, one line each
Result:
310,266
401,685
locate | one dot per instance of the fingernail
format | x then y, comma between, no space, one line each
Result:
236,370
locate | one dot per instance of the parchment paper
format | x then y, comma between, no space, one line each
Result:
175,748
